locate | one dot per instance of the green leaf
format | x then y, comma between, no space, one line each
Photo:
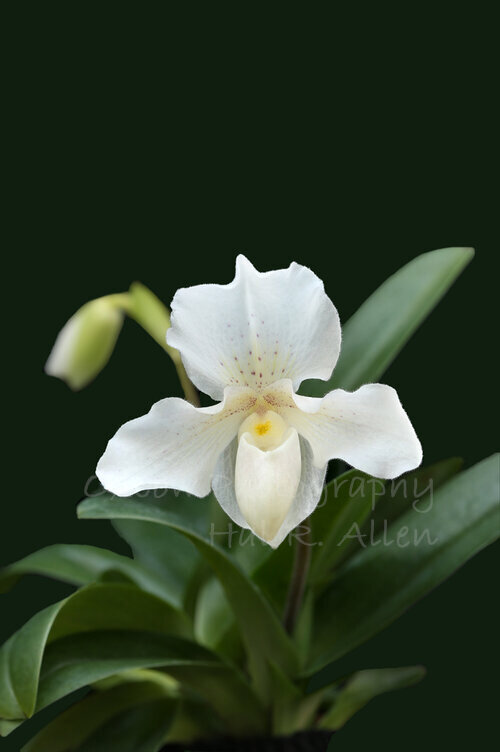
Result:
82,565
347,500
376,585
362,687
286,699
164,551
20,662
194,720
73,727
272,576
355,501
262,631
117,606
7,727
415,488
95,607
214,624
140,729
269,569
103,630
250,551
228,692
376,333
78,660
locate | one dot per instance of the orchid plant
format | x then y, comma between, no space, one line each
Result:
249,573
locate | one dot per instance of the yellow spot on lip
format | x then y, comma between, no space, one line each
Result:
265,430
262,428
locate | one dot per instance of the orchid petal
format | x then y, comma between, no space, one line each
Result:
367,428
174,446
259,328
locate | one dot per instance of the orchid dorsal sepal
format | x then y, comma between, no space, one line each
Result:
263,448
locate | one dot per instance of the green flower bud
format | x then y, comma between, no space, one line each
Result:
85,343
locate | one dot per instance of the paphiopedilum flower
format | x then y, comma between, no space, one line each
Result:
262,448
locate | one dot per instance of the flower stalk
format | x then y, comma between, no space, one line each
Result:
148,311
298,581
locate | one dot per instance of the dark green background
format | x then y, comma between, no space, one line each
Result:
138,155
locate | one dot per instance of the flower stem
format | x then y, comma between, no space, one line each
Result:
188,387
148,311
296,589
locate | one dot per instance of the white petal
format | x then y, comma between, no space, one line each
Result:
368,428
305,500
259,328
174,446
266,482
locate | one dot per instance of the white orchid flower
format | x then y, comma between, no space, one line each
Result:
263,449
